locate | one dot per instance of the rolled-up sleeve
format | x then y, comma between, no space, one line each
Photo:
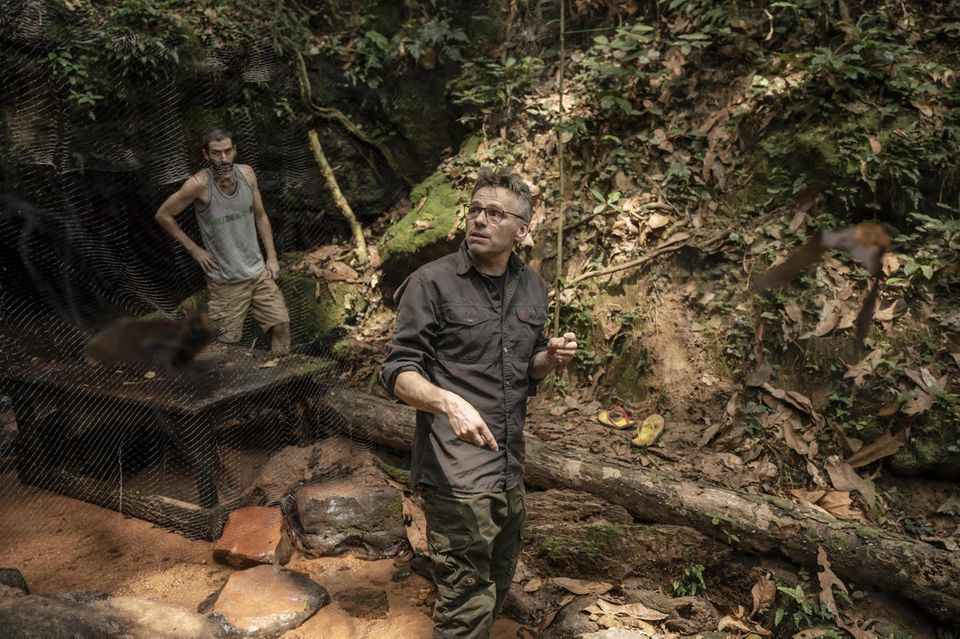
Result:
412,345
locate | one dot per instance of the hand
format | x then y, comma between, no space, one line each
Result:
467,424
206,261
562,349
273,268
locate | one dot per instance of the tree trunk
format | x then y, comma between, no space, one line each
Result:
914,570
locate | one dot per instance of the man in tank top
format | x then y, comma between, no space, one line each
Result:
230,212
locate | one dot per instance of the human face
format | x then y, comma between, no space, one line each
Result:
494,242
220,154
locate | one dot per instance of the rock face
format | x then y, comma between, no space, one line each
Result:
340,515
253,535
91,615
265,601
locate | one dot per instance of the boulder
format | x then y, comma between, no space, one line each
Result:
264,602
253,535
421,236
91,615
337,516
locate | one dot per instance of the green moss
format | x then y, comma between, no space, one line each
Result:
388,514
599,550
315,316
780,502
438,210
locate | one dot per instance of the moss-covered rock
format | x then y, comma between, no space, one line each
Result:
317,310
933,450
421,235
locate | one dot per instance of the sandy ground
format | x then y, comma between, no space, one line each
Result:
62,544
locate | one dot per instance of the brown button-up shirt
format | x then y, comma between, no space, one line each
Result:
453,328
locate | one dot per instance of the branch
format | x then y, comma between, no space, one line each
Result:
341,201
306,96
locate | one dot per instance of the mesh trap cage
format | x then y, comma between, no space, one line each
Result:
80,247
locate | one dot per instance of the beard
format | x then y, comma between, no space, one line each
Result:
222,170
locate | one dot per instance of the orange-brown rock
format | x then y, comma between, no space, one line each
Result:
253,535
265,602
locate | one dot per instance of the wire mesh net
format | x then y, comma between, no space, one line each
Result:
81,248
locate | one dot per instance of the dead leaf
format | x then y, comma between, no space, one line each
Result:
951,506
422,225
270,363
533,585
883,446
764,594
885,314
810,633
875,146
674,60
791,437
656,221
891,264
921,402
844,477
581,586
864,367
552,614
634,610
793,311
797,220
828,581
832,502
738,621
945,542
829,318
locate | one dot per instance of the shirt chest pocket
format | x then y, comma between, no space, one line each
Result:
469,333
527,323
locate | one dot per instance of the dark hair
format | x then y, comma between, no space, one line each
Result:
215,135
507,178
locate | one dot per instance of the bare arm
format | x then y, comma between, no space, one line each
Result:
560,350
173,206
466,423
263,225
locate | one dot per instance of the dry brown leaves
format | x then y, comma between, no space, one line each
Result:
833,502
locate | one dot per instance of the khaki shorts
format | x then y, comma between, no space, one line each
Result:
229,304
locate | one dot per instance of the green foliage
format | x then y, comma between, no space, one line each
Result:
690,582
76,72
486,84
797,610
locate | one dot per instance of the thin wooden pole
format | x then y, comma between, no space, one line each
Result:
560,216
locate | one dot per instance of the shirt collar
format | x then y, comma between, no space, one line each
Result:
465,262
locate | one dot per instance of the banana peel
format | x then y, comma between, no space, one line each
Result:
649,431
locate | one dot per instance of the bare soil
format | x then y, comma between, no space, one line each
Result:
62,544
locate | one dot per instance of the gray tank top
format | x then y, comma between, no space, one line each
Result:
229,232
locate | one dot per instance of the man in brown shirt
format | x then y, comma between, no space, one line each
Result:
467,350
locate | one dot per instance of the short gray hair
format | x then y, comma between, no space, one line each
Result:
509,179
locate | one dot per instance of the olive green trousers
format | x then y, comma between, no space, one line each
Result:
474,541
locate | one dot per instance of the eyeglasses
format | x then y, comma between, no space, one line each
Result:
494,214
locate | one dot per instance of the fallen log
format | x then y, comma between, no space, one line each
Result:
911,569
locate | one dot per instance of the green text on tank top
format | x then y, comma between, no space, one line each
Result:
229,231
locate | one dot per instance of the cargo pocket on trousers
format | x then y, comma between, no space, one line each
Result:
451,568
